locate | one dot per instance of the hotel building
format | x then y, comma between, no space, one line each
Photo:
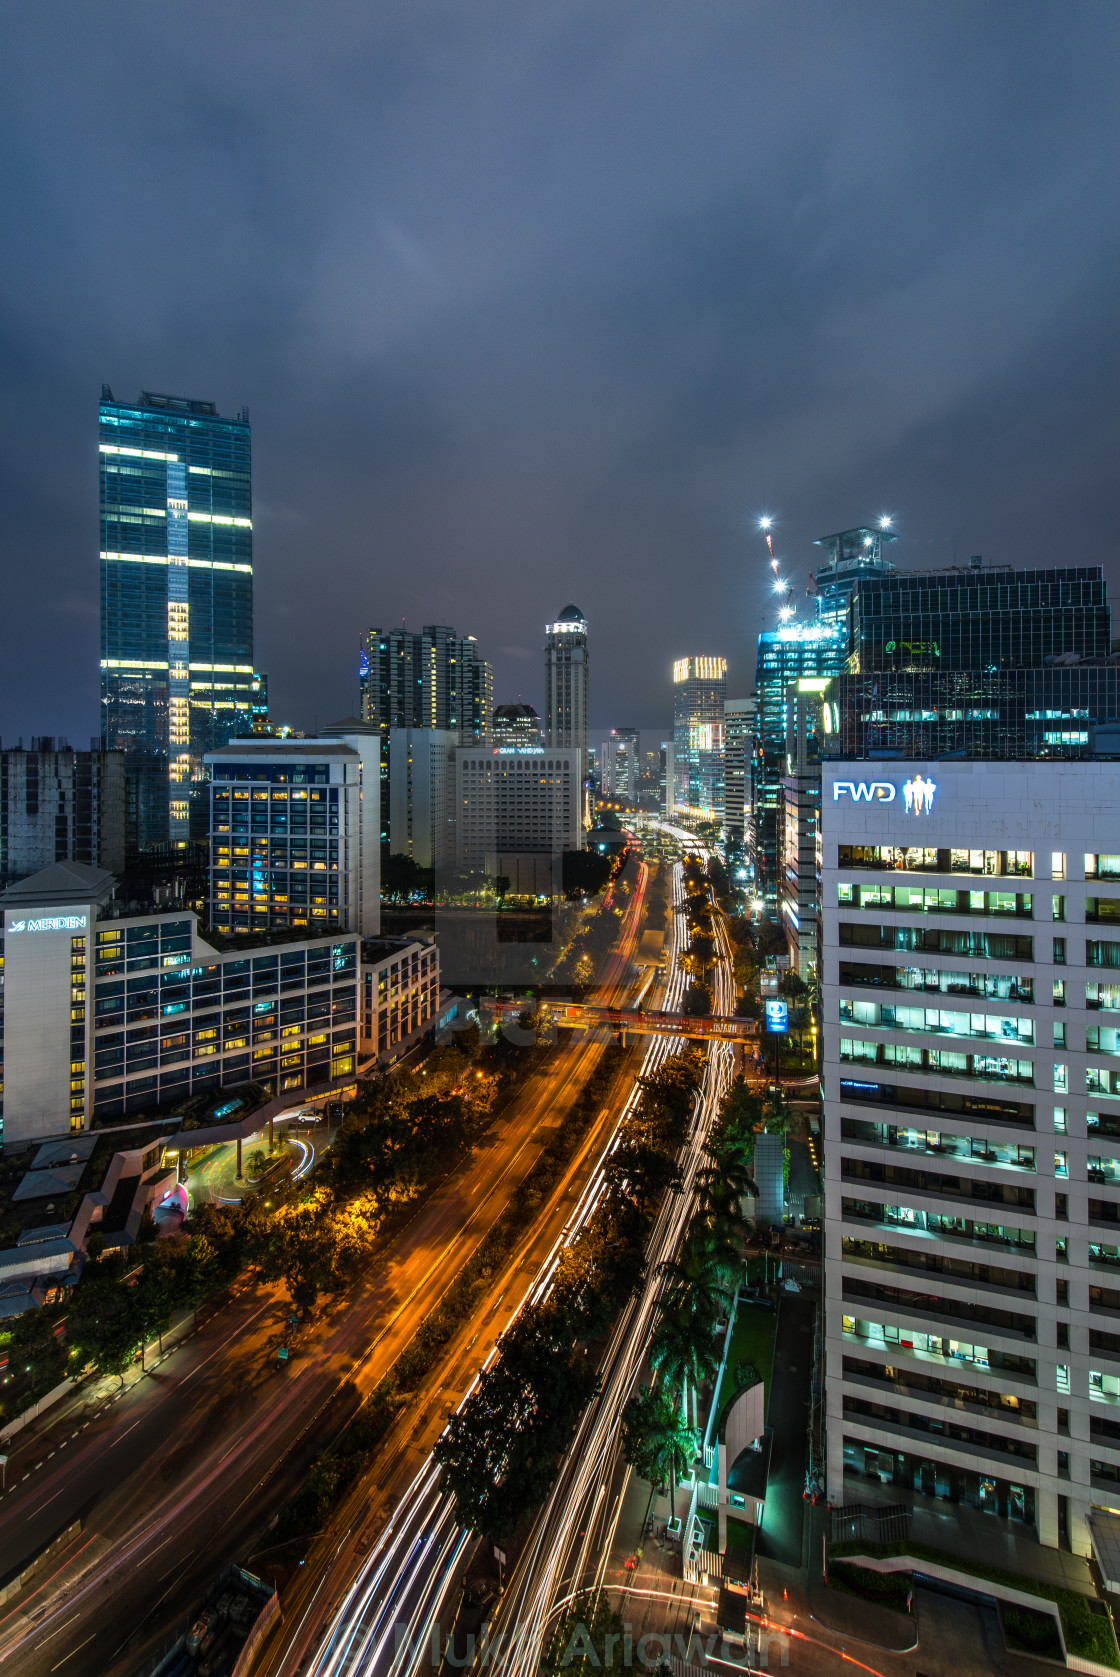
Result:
107,1014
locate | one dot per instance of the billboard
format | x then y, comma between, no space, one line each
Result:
777,1016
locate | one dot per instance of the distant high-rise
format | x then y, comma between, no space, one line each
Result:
699,694
177,675
622,765
738,743
516,725
430,679
566,707
794,652
61,805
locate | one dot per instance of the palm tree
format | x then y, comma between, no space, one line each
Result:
684,1352
697,1278
657,1440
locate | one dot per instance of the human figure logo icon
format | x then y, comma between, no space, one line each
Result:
918,794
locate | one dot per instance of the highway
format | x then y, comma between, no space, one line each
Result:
183,1472
404,1593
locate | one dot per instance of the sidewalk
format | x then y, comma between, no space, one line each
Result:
84,1401
849,1615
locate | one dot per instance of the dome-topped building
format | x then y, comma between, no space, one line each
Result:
566,713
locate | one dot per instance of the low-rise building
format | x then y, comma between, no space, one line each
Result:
107,1014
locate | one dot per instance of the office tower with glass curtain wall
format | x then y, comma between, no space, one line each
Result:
699,695
177,675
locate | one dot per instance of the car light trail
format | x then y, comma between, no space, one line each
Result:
384,1621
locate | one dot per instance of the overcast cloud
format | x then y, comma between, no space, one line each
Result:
533,302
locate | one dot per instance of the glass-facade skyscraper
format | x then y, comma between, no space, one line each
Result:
799,651
699,695
177,675
979,618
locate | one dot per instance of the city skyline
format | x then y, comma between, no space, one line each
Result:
756,308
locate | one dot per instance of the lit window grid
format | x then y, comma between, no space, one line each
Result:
1080,1100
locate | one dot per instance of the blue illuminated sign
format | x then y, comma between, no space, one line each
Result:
777,1017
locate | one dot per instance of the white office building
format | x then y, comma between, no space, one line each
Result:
295,833
971,931
517,811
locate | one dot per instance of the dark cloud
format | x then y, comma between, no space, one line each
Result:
536,303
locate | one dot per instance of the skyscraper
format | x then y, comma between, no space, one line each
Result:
431,679
738,743
566,707
622,764
699,695
177,674
795,652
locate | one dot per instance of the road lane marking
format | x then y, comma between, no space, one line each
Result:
126,1432
74,1651
49,1499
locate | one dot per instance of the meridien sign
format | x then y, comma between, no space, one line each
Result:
50,923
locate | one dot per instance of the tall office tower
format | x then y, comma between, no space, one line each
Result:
295,833
622,764
177,674
738,744
854,556
665,778
799,883
982,663
431,679
422,815
516,725
699,695
61,805
979,619
566,697
800,651
972,1143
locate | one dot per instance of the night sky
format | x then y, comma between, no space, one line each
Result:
538,302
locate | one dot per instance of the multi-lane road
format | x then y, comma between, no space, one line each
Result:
386,1609
183,1472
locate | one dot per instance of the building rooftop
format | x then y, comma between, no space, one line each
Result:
571,614
62,882
265,747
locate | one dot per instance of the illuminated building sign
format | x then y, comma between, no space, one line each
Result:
777,1017
50,923
917,793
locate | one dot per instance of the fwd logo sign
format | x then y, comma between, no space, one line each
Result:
870,791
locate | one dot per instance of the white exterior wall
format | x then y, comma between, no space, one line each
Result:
1069,808
37,1016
